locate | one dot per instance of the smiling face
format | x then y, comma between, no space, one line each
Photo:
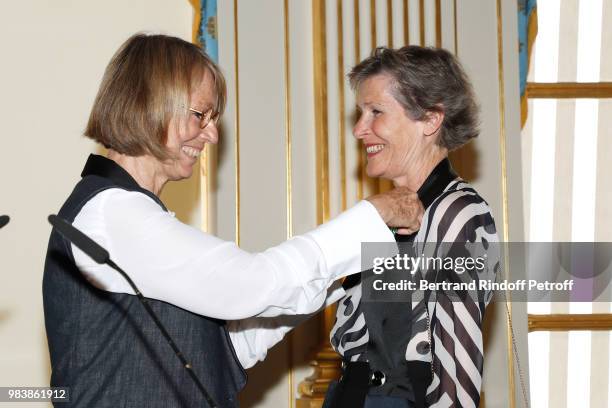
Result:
187,140
394,143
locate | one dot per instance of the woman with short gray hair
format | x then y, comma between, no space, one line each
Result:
427,80
416,104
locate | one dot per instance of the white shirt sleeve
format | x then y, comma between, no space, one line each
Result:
178,264
253,337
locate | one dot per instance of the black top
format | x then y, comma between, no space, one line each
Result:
390,321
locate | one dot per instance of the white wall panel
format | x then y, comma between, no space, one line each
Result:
398,13
54,55
430,23
224,192
414,22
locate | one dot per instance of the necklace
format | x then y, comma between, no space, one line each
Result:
429,340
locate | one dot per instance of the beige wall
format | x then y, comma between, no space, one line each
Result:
54,54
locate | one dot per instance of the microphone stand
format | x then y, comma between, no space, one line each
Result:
4,219
101,256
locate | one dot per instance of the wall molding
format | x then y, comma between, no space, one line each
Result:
569,90
570,322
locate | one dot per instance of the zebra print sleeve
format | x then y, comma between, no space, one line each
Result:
462,216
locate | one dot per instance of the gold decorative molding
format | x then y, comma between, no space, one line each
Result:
373,23
326,367
195,24
504,188
570,322
438,24
406,19
288,139
320,109
422,22
288,179
573,90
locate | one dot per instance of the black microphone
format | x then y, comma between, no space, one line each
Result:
82,241
101,256
4,219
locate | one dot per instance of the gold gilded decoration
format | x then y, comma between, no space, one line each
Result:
573,90
569,322
422,22
288,177
406,18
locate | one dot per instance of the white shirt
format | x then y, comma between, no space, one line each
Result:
176,263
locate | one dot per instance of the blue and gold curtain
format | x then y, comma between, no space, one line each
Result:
206,27
527,30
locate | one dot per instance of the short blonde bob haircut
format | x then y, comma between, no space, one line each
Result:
146,84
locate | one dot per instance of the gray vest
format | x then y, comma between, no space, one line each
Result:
104,346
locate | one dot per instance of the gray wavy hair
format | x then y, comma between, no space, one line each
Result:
427,79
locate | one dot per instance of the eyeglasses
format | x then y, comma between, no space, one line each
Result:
205,117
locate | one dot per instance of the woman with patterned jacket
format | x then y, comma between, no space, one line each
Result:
416,104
